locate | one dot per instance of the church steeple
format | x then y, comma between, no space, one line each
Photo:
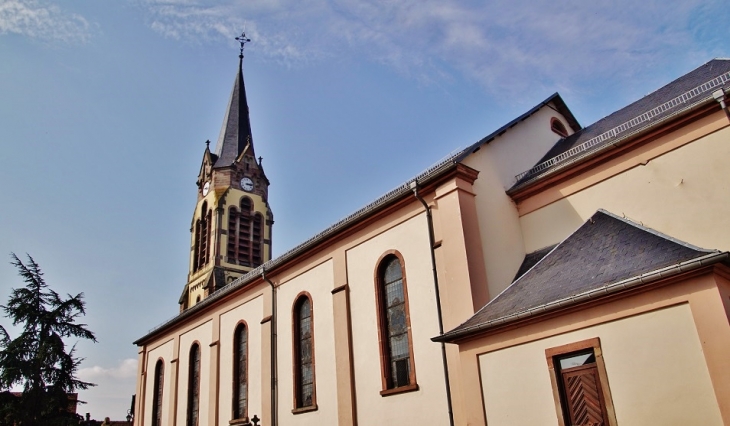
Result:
231,226
236,131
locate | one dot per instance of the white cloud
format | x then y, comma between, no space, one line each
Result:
42,20
501,44
126,368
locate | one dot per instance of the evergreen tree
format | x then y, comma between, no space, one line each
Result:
37,359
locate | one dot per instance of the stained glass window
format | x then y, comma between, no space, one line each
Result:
240,372
157,394
194,386
396,327
304,351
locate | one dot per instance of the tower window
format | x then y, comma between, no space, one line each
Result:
558,127
304,393
194,385
240,372
398,368
245,235
203,226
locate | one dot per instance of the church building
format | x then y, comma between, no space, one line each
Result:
548,274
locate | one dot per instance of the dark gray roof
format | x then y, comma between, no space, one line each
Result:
555,99
236,130
644,113
605,250
531,259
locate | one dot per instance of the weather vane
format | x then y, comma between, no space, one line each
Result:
243,40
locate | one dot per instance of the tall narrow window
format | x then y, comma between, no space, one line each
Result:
304,392
245,235
194,385
395,330
240,372
203,226
579,382
157,394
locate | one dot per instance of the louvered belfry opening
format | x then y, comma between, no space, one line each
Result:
202,237
245,235
580,387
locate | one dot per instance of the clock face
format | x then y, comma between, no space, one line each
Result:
247,184
206,188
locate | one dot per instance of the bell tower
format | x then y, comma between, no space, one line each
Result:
231,226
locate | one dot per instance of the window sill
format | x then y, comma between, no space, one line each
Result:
303,410
236,422
402,389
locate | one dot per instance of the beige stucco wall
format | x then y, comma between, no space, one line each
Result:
251,313
653,379
428,404
165,353
202,335
498,162
318,283
682,193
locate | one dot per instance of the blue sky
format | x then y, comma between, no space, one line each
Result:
105,108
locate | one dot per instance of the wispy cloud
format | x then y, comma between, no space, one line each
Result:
42,20
126,369
501,44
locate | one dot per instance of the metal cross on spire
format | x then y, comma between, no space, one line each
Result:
243,40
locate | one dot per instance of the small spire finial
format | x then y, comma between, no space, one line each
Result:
243,40
207,144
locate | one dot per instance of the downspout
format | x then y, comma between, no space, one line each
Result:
274,383
429,219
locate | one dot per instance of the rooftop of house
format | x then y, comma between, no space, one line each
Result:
606,254
682,94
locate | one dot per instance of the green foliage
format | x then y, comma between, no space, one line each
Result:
38,359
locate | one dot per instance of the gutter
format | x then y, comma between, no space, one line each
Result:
620,286
429,219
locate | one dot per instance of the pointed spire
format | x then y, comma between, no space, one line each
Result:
236,131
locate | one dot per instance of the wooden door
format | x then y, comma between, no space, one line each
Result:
583,397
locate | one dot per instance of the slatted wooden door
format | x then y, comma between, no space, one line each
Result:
583,396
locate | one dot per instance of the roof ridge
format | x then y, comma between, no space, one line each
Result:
640,225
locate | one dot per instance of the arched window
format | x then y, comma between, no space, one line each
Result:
194,385
240,372
558,127
202,237
304,391
245,235
157,393
395,328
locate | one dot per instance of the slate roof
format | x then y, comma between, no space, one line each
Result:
531,259
236,130
605,250
653,104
